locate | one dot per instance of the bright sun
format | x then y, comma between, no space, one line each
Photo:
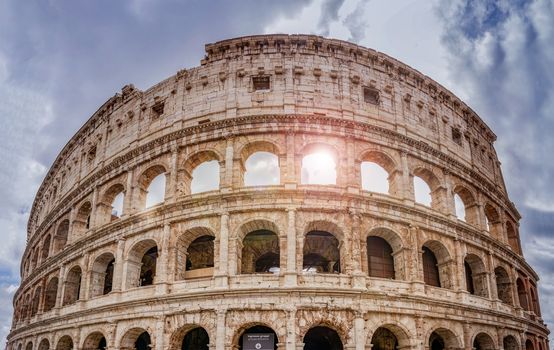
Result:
319,168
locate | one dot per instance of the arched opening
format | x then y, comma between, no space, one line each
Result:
34,259
374,178
44,345
262,335
200,257
196,339
476,276
510,343
141,268
492,220
155,192
205,177
262,169
102,275
319,165
422,191
72,286
379,258
110,207
137,339
430,268
321,253
82,222
117,206
322,338
260,252
151,186
522,294
50,294
503,285
459,207
529,345
465,206
534,298
46,248
384,339
60,239
483,342
95,341
65,343
30,346
513,239
436,342
36,301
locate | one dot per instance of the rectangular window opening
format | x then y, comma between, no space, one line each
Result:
371,95
457,136
261,82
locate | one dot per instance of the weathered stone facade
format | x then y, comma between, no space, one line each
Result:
95,279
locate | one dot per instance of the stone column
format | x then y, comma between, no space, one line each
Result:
493,292
220,330
171,190
84,293
291,329
460,269
118,277
226,181
359,327
450,207
70,230
350,170
467,337
222,275
291,273
290,179
160,333
407,190
61,282
163,258
129,202
358,277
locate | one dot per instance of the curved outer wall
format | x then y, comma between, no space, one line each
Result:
360,105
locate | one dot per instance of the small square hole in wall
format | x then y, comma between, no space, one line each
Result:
158,109
457,136
260,82
371,95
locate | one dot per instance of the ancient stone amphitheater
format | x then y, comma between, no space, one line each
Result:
401,235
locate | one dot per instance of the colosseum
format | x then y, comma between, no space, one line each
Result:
291,192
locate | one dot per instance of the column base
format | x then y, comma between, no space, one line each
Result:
291,279
221,281
359,281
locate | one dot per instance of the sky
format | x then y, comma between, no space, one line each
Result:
61,59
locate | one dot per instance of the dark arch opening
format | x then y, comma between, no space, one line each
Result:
430,268
321,253
260,252
379,258
259,330
196,339
143,342
469,278
436,342
322,338
148,268
384,339
108,277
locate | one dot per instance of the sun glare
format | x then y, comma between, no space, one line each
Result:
319,168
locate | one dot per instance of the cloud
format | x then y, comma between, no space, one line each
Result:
501,56
329,13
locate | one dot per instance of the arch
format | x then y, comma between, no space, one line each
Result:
513,237
45,251
111,204
65,343
321,252
208,161
260,164
151,186
476,276
378,172
510,342
492,220
437,264
319,164
29,346
426,185
522,294
36,301
44,344
380,258
60,239
443,338
503,285
322,337
464,203
259,332
102,274
260,252
195,252
389,337
534,298
141,268
95,341
34,259
50,294
483,341
529,345
190,336
72,286
136,338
